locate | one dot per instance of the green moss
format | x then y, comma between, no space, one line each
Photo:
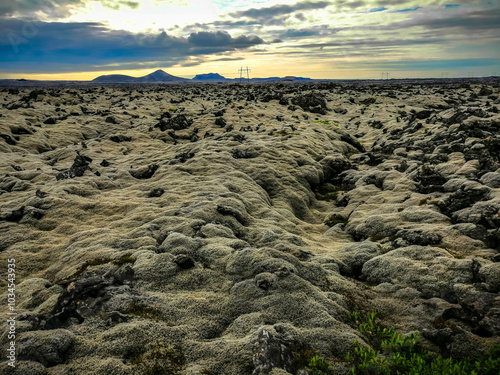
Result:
336,219
331,196
172,109
142,310
427,201
123,260
160,359
422,201
98,262
393,353
377,237
454,253
282,132
348,154
369,101
325,122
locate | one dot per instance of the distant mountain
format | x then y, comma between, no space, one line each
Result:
158,76
114,78
209,77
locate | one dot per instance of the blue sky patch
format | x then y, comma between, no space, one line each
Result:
407,10
381,9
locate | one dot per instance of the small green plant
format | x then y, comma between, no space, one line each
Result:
318,365
399,354
172,109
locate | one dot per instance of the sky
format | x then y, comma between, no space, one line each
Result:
337,39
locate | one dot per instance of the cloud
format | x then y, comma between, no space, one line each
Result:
29,7
55,8
372,42
222,38
204,38
320,30
59,46
300,16
486,20
436,64
266,15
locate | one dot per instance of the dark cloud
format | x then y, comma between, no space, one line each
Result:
230,59
265,15
61,46
475,21
321,30
299,33
435,64
222,38
300,16
207,39
486,19
28,7
55,8
372,42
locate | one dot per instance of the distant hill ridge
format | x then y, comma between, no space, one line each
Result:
161,76
158,76
209,77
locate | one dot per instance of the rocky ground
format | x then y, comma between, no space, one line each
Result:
229,229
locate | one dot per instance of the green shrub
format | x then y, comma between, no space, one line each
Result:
318,365
398,354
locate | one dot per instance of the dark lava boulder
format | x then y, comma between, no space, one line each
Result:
313,103
178,122
80,165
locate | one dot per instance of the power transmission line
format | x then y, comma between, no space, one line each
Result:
241,71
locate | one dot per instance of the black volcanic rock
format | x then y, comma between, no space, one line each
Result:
80,165
311,102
